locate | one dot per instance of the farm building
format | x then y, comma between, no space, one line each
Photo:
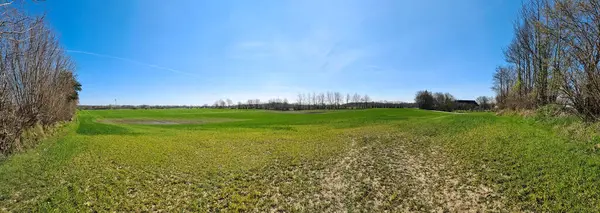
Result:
466,104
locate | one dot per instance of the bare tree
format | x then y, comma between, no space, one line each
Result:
366,99
348,98
250,103
329,99
321,99
256,103
503,83
37,84
555,53
356,98
581,38
484,102
299,100
443,101
315,100
338,99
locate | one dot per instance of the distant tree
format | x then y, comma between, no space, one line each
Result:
329,98
424,100
315,100
504,81
484,102
256,103
366,99
348,98
356,99
443,101
285,104
338,99
299,100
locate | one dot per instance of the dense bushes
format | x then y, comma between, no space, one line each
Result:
37,84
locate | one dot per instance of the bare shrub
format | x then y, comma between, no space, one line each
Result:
554,56
37,84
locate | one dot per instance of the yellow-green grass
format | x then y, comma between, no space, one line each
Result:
354,160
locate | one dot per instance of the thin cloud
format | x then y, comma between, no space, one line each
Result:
132,61
251,44
318,51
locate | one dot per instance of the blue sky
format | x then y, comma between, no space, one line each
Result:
196,52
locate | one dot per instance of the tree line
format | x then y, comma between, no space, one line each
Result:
330,101
553,58
314,101
37,83
446,102
144,106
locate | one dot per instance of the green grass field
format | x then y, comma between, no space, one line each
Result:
361,160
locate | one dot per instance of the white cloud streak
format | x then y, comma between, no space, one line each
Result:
133,61
316,52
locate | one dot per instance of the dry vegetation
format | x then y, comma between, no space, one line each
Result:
553,58
37,84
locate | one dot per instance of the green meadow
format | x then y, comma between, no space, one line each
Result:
393,160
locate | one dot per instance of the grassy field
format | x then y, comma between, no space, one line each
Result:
362,160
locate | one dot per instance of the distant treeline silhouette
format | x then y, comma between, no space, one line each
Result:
261,105
309,101
314,101
329,101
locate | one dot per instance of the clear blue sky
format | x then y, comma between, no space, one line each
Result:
195,52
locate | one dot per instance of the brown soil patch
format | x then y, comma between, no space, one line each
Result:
384,173
423,179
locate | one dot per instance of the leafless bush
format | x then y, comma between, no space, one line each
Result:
37,84
554,56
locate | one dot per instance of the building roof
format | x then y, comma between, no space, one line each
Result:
467,102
